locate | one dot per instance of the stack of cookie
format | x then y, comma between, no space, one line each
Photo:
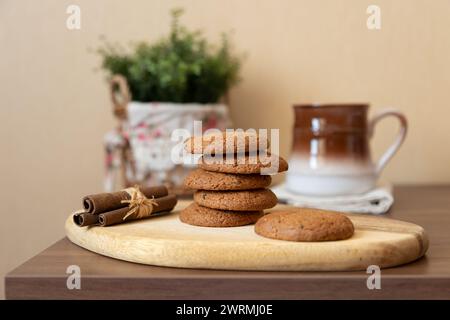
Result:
230,189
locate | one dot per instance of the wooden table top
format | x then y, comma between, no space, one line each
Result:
44,276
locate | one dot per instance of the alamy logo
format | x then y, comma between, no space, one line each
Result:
74,278
374,280
374,19
73,21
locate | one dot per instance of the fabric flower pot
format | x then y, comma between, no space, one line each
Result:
142,146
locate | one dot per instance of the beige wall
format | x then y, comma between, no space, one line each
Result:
55,109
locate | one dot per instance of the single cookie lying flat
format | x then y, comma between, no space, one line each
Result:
227,142
244,164
208,180
305,225
248,200
206,217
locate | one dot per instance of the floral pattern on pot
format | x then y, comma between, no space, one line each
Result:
148,130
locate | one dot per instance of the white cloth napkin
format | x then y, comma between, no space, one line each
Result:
376,201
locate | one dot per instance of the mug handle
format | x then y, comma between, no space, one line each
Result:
398,140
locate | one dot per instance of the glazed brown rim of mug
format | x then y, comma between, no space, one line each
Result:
332,105
332,130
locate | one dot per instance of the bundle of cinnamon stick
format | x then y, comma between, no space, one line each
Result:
105,209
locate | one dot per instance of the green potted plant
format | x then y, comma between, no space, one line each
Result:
166,85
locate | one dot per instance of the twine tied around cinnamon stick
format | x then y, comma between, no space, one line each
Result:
139,204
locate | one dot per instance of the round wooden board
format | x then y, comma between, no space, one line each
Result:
166,241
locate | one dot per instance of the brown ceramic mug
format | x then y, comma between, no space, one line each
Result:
331,151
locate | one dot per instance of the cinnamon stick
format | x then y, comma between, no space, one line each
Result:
165,204
104,202
83,219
